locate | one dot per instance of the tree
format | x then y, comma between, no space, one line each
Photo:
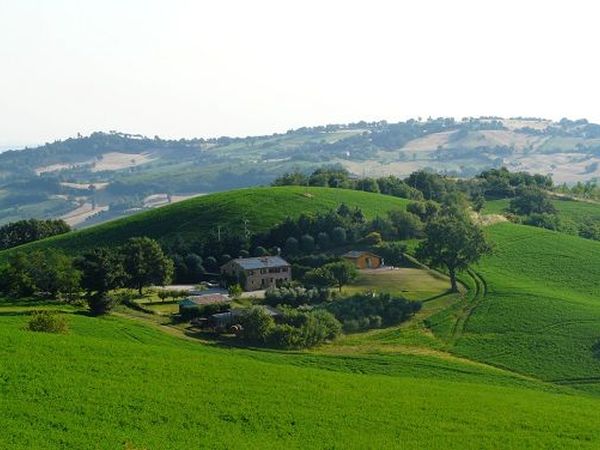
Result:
24,231
54,273
368,185
307,243
291,246
342,273
16,276
339,236
406,225
323,240
101,271
145,263
260,251
257,324
531,200
319,277
453,242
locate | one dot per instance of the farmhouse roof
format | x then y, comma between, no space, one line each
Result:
206,299
358,253
261,262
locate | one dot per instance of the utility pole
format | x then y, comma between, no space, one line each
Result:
246,229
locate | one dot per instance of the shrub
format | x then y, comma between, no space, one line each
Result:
48,322
373,238
303,329
235,291
256,324
369,310
296,296
101,303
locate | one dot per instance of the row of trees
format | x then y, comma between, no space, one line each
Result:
25,231
140,262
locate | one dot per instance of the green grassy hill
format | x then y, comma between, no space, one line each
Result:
512,364
113,382
578,212
199,217
539,313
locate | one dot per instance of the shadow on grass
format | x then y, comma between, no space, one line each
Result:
435,297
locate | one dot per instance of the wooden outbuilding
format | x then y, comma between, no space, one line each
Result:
364,259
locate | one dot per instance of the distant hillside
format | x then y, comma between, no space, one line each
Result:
92,179
200,218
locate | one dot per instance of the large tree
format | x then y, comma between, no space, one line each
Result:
452,242
342,272
145,263
101,271
531,200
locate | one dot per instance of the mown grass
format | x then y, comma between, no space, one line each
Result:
414,284
199,217
112,381
541,314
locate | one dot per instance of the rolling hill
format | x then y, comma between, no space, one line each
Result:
92,179
514,363
199,218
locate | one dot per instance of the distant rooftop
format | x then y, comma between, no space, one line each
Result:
261,262
357,253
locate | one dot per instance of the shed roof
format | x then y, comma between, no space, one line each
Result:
206,299
358,253
262,262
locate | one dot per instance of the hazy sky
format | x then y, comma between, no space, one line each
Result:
181,68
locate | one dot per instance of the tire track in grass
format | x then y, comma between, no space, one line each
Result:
469,306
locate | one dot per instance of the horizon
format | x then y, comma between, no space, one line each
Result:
33,145
183,69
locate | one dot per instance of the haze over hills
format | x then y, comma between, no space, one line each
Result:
106,175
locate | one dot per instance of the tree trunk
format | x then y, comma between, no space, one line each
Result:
140,290
453,282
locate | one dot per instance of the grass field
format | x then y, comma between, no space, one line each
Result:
415,284
541,311
576,211
514,362
113,382
198,217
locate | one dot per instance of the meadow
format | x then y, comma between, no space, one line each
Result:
512,362
541,313
113,383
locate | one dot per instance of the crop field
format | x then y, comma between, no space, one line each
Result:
113,383
541,311
198,217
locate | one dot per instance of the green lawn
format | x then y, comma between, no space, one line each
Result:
415,284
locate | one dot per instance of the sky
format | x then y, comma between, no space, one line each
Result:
178,68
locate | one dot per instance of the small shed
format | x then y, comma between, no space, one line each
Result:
224,320
196,301
363,259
